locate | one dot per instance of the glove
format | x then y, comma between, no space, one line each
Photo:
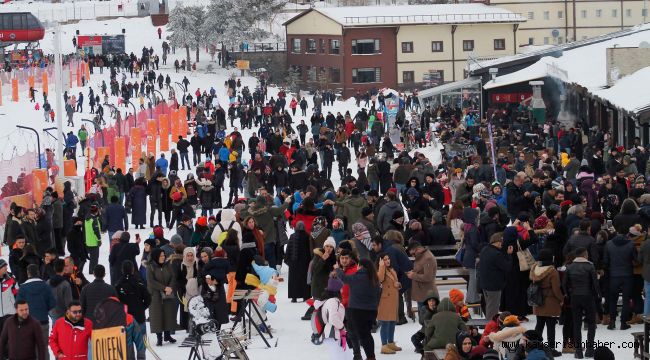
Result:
344,341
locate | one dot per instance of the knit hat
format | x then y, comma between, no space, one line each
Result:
334,284
358,228
491,354
202,221
3,263
496,237
533,335
176,239
330,242
510,235
366,211
510,321
603,353
158,232
151,242
398,214
541,222
393,190
412,192
566,203
455,295
219,252
300,226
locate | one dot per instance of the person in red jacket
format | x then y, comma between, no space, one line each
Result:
71,334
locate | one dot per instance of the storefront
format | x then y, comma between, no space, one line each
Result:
464,94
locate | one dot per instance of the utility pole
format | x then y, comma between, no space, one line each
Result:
58,90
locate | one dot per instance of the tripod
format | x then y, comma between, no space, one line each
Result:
247,297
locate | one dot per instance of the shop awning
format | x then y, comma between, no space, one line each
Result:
456,85
541,69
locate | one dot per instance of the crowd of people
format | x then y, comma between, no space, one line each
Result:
554,225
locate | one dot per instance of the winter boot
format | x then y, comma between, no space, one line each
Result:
605,320
159,339
307,315
578,354
385,349
394,346
636,319
589,353
568,349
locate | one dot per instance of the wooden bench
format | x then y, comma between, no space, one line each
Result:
476,307
437,354
441,250
452,273
638,344
451,282
447,261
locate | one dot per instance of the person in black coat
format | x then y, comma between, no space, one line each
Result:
439,233
519,199
138,196
494,268
513,298
173,161
133,293
69,205
44,233
115,217
121,252
76,243
95,292
297,178
298,257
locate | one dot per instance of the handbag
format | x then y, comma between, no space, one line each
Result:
460,253
526,259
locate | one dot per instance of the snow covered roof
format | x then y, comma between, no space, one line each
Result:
629,37
545,67
629,93
361,16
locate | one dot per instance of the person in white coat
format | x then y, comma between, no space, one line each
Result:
228,221
333,314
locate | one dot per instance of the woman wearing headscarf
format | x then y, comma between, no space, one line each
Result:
362,234
297,257
186,282
160,283
513,298
465,348
319,233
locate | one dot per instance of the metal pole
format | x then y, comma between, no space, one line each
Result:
135,116
58,86
38,143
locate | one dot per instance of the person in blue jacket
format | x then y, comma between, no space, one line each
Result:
71,142
163,164
224,154
39,296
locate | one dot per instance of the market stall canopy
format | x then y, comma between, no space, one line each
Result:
470,82
545,67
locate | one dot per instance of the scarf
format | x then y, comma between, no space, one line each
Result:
366,239
316,230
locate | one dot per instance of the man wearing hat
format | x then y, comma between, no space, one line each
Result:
494,268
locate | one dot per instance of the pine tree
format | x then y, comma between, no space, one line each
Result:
292,80
185,24
235,21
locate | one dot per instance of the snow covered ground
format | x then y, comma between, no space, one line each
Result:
292,334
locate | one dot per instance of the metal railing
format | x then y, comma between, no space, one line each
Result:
260,47
440,18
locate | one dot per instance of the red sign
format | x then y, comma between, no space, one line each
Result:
88,41
510,97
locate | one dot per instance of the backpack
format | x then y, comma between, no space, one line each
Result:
535,294
224,233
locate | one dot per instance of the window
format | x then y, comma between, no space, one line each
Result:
322,45
298,70
468,45
408,76
583,14
434,77
547,15
614,13
545,40
531,41
436,46
366,75
335,75
560,14
628,12
295,46
311,46
365,46
599,13
407,47
499,44
335,46
531,15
